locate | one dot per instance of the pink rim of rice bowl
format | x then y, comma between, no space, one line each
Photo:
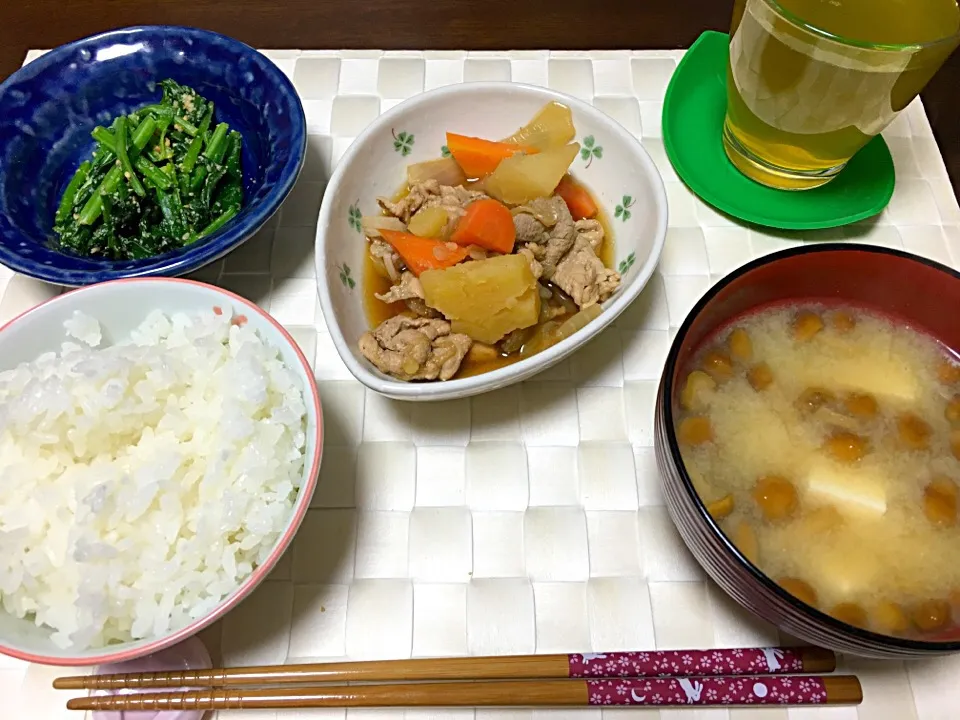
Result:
301,504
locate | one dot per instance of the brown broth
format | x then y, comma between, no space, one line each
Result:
373,283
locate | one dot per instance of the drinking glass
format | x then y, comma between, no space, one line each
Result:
802,101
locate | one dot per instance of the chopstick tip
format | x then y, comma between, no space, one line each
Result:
68,683
78,704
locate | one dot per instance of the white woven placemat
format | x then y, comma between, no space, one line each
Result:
527,520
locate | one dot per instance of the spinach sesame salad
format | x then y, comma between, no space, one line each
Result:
160,178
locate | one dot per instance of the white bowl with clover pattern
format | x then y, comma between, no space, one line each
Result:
612,164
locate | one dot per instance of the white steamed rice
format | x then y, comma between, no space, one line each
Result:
141,483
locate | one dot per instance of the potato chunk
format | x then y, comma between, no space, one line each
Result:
485,299
522,178
429,222
552,126
523,313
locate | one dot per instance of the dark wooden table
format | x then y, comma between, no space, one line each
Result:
429,24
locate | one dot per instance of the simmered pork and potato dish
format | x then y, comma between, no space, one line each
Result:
825,442
485,257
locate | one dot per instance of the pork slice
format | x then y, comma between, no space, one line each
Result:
557,231
529,229
406,288
407,206
584,277
415,348
592,231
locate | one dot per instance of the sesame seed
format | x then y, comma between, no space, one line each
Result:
126,175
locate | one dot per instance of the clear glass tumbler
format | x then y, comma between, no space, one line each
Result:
801,101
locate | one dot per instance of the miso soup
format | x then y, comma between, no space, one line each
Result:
825,442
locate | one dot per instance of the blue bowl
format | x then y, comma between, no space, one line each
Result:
49,107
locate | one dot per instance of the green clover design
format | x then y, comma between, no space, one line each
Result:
402,142
590,150
444,151
348,282
627,263
354,216
622,210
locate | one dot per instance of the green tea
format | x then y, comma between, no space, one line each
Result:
805,103
889,22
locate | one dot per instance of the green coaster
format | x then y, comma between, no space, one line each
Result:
693,113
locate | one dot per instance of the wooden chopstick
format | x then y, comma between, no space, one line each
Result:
658,692
653,663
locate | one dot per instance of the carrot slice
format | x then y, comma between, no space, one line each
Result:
486,223
578,200
478,157
422,254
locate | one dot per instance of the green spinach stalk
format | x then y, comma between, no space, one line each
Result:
159,179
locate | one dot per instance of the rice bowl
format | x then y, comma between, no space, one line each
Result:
152,468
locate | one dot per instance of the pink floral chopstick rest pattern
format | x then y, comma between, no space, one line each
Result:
708,691
761,661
